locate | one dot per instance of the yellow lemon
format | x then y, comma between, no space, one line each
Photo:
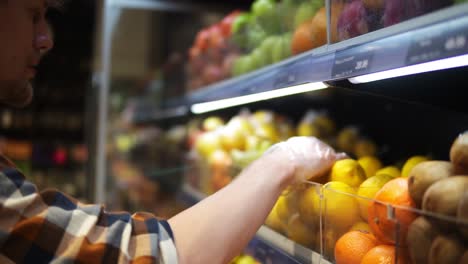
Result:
301,233
307,129
309,205
370,164
361,226
368,189
286,206
410,163
268,131
365,147
329,237
389,170
340,207
212,123
273,220
208,142
325,125
348,171
263,117
347,139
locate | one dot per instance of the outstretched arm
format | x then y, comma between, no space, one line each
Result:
220,226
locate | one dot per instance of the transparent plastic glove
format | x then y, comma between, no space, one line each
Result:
309,156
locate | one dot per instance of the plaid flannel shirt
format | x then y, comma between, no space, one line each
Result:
50,227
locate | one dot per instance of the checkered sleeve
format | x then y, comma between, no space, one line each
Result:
50,227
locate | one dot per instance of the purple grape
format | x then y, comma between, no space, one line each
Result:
394,12
353,20
399,10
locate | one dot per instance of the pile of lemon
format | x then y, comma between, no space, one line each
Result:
338,205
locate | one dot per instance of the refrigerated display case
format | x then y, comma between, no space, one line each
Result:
383,82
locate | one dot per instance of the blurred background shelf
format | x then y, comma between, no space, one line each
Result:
439,35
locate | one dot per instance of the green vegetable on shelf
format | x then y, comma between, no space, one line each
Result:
240,22
306,11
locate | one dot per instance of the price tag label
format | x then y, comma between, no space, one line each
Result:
350,63
286,77
434,45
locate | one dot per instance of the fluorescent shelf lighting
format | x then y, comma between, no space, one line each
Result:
241,100
448,63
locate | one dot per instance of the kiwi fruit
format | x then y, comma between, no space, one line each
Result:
462,215
459,153
445,250
421,233
443,197
424,175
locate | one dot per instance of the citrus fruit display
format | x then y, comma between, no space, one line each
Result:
410,163
384,254
348,171
300,232
286,206
370,164
340,208
367,191
365,147
361,226
273,220
353,246
310,205
390,170
389,214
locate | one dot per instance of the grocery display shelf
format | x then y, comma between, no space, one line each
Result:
267,246
435,36
439,35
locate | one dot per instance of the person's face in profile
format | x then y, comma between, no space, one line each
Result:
25,37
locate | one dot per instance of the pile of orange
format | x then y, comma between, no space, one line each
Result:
357,247
383,254
352,246
389,215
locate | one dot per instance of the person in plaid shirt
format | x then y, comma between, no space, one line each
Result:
49,226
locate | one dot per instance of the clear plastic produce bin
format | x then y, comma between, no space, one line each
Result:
344,227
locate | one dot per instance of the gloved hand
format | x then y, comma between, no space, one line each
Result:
309,157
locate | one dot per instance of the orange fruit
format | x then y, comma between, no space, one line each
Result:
383,254
302,40
352,246
311,33
390,212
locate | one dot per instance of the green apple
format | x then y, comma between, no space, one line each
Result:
255,36
282,48
259,59
248,65
237,66
267,47
305,11
263,8
240,22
